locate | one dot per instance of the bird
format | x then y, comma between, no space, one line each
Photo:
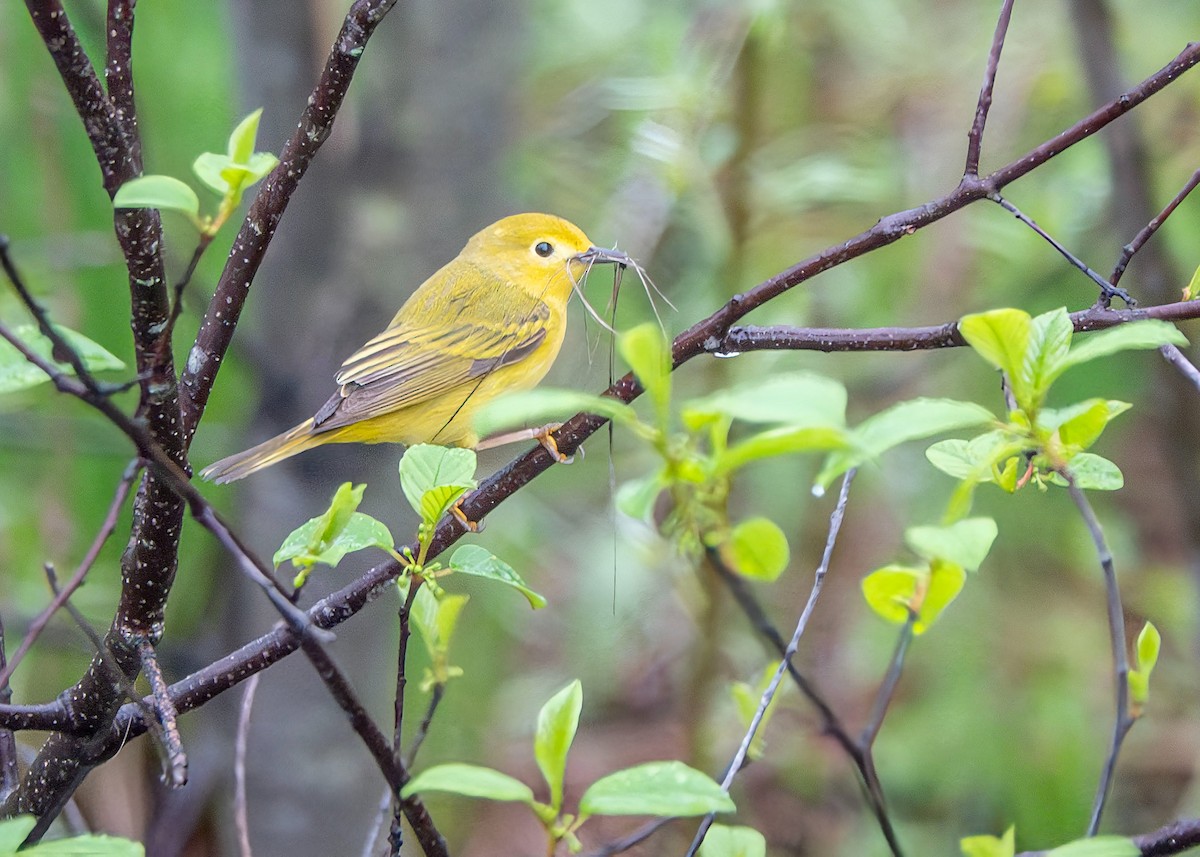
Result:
491,320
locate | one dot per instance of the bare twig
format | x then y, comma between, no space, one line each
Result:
9,773
241,817
975,137
1139,240
77,577
168,717
888,687
739,758
1107,290
1116,630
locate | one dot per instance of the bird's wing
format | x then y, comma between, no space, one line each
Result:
409,363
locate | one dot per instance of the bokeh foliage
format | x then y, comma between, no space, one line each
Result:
719,142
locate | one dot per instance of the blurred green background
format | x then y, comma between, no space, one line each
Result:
719,142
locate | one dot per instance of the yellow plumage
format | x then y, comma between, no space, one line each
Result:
490,321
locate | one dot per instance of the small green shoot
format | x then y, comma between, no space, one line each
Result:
228,174
1149,644
435,615
1037,444
664,789
990,846
327,538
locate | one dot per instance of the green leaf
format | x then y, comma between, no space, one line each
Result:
241,141
648,354
664,789
1098,846
340,530
477,561
17,373
1148,333
1092,473
158,192
990,846
1081,424
973,460
904,421
436,617
538,406
1049,340
724,841
556,725
211,168
470,781
1001,337
801,400
892,590
14,830
1149,643
781,441
757,549
966,542
425,467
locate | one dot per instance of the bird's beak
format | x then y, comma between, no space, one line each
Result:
603,256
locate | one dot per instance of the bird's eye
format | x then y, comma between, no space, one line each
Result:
543,249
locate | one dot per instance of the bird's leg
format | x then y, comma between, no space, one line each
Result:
542,435
461,516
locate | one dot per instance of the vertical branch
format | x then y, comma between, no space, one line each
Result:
9,775
241,817
975,136
1116,631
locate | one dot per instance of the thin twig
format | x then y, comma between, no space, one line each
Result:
975,137
241,818
1176,358
106,654
1116,630
1107,290
831,724
168,717
1170,353
1139,240
10,775
435,698
77,577
768,694
887,688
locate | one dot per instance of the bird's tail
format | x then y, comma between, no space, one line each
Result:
264,455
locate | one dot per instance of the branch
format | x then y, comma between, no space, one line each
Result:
739,758
250,246
1116,630
975,137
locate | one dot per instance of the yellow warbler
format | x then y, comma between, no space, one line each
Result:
490,321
